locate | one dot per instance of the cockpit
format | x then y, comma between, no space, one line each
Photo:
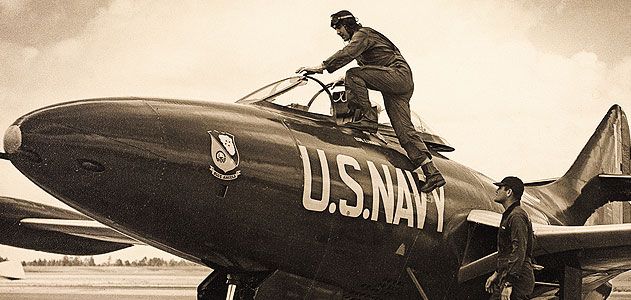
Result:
308,94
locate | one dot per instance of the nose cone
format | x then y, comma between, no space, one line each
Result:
12,139
70,149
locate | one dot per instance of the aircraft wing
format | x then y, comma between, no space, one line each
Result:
601,247
46,228
82,228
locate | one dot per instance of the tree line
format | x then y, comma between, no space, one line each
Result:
89,262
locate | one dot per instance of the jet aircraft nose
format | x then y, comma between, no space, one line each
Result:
71,149
75,129
178,175
147,168
12,139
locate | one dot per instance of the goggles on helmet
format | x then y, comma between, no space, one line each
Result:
336,21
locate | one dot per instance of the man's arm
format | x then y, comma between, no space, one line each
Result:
358,44
519,237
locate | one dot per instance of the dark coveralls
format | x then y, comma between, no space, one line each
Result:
514,259
381,68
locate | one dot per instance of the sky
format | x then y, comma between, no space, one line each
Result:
517,87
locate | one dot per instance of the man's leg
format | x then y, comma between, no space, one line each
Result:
359,80
398,108
518,295
523,287
357,90
396,86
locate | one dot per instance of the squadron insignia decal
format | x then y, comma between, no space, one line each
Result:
224,154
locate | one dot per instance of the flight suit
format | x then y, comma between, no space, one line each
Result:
381,68
514,253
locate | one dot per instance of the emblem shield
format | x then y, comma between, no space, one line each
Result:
224,155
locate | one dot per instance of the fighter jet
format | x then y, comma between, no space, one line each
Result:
283,201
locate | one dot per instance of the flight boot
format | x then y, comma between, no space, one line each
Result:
365,121
433,178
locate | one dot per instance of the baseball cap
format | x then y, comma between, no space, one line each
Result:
514,184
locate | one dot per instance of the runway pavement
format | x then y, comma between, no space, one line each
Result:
621,287
100,283
139,283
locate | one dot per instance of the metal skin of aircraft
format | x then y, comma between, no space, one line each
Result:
41,227
30,225
287,203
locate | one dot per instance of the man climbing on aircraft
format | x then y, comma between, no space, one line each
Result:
381,68
514,278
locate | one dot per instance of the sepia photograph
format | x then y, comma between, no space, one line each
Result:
232,149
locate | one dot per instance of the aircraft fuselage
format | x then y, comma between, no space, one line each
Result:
256,188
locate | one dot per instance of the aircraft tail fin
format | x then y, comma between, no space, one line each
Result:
606,152
600,174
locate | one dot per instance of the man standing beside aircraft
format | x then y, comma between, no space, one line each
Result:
514,278
381,68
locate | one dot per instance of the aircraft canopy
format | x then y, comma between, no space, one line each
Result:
307,94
